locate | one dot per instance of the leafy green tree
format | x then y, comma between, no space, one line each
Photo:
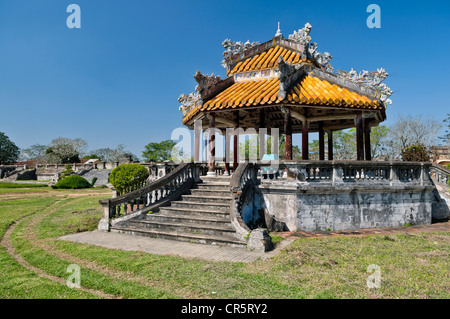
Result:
344,144
378,141
91,156
158,152
9,152
128,177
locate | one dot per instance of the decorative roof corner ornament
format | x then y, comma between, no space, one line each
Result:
232,48
288,74
372,79
278,34
324,60
310,48
205,81
302,36
188,101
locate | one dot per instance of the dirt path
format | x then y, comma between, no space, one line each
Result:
6,242
48,246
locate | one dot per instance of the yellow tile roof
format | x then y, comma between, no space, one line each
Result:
267,59
310,90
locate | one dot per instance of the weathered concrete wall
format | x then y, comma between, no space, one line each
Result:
308,207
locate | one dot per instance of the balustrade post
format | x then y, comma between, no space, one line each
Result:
338,175
394,176
422,175
104,224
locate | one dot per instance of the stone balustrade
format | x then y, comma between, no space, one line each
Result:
337,172
440,174
149,198
321,195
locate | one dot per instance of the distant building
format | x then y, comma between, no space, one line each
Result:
441,155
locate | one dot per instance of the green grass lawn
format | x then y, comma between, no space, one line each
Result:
21,185
411,265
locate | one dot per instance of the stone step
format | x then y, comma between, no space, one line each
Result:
216,178
184,227
181,236
195,212
211,192
187,218
206,199
219,207
225,187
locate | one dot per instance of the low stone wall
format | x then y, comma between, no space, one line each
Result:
338,195
322,207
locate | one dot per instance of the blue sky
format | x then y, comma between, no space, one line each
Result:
117,79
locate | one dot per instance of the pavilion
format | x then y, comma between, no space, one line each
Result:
285,83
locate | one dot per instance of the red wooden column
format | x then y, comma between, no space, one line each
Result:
212,147
197,131
227,153
305,138
262,140
236,141
330,145
359,137
287,135
368,150
321,142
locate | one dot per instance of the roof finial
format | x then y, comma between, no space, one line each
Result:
279,34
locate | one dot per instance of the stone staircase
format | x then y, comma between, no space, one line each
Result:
199,217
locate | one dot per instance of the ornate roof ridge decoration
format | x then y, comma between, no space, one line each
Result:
289,74
371,79
205,81
303,38
232,48
207,86
188,102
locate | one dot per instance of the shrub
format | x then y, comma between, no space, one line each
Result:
67,172
94,179
128,177
416,153
72,182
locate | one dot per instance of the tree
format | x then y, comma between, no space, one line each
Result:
416,153
413,130
91,156
446,137
112,155
9,152
35,152
66,150
128,177
158,152
344,144
379,145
